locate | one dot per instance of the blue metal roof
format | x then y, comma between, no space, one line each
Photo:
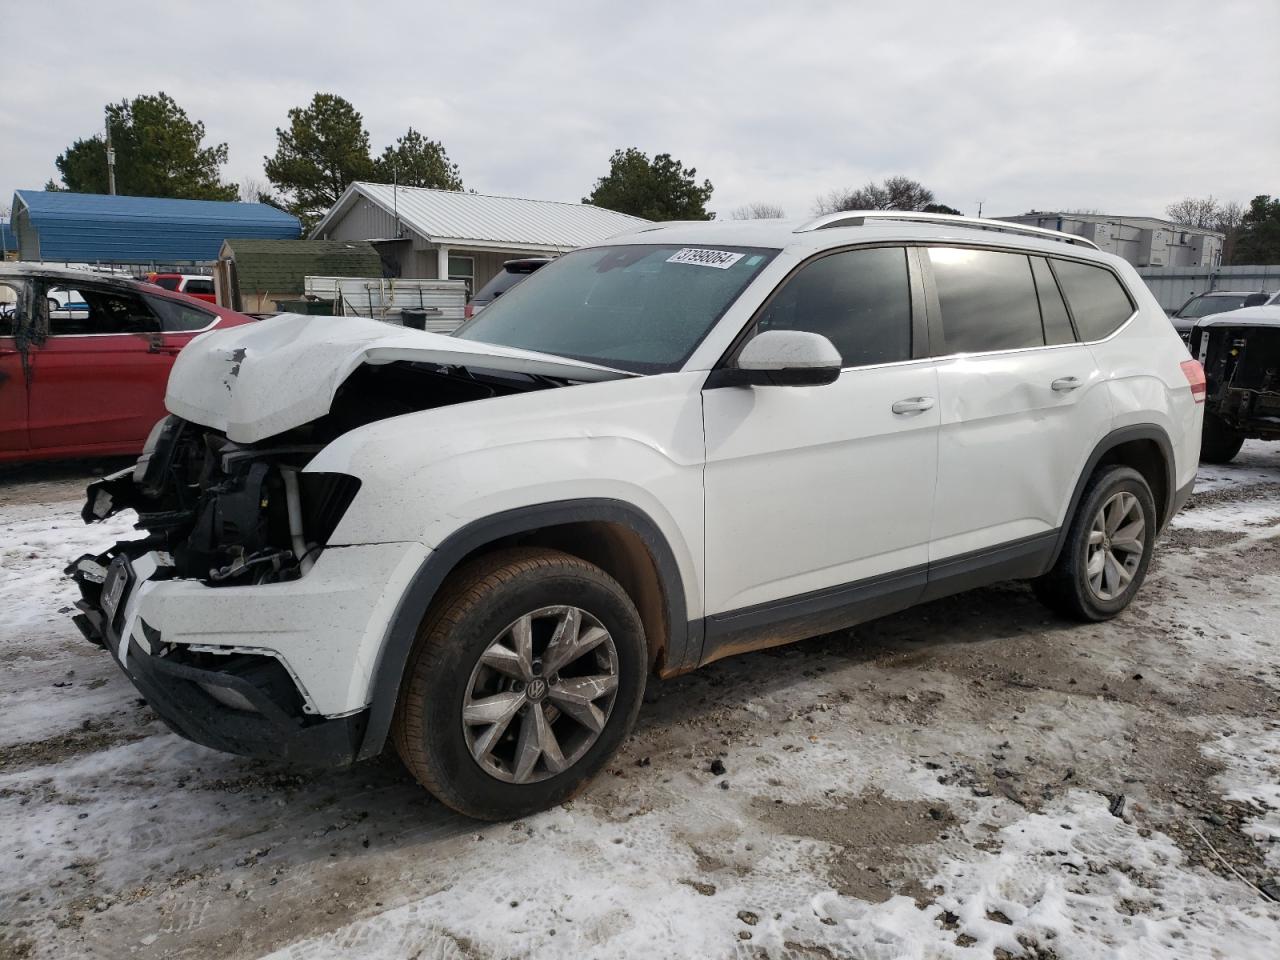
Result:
7,240
92,227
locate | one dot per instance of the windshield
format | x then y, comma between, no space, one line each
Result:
1204,306
642,308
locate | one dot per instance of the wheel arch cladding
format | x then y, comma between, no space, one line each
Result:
616,536
1144,447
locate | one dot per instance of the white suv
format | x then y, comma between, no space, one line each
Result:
687,442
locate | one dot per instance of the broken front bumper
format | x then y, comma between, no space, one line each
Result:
276,670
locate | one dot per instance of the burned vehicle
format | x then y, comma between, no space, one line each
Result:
686,442
1240,353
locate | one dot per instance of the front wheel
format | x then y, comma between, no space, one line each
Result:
525,678
1108,548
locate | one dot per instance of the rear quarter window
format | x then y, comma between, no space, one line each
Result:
1098,301
178,317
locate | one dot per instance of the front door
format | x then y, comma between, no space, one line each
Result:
98,379
819,499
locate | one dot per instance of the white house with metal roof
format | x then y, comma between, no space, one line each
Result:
448,234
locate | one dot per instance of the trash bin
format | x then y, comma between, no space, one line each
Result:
416,316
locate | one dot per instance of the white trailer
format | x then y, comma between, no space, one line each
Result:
435,305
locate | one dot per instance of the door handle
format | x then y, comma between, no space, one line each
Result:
913,405
1065,384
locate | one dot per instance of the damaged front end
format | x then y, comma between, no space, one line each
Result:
214,511
230,612
1242,370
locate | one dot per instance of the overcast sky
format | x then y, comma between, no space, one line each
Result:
1122,107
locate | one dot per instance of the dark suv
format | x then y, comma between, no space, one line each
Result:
512,272
1207,304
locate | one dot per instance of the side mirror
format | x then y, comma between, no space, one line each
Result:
787,358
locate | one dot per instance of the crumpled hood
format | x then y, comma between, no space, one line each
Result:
258,380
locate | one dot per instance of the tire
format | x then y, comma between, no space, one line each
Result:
1218,442
457,726
1070,588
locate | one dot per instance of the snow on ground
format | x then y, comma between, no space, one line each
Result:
971,779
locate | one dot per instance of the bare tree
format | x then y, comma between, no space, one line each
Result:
757,211
896,193
1230,222
253,190
1195,212
1230,216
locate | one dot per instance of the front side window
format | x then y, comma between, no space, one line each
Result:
860,300
10,299
1098,302
178,317
987,298
75,312
640,307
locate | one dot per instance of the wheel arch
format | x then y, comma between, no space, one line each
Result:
1144,447
615,535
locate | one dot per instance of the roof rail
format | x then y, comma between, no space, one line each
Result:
856,218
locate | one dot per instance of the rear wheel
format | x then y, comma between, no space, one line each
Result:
525,678
1219,443
1108,548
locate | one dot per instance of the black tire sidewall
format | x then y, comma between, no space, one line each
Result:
477,792
1111,481
1219,443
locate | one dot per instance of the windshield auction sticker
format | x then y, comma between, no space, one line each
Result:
720,259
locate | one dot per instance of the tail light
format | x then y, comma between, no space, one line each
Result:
1194,373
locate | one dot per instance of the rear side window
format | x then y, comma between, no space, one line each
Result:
502,282
1099,304
198,286
178,317
1053,312
169,283
988,300
75,312
860,300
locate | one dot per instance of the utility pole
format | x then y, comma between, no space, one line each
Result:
979,208
111,158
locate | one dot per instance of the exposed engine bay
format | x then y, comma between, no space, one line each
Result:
228,513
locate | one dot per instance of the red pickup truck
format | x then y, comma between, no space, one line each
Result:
192,284
85,357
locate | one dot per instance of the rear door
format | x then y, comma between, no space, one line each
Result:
98,378
1023,404
13,382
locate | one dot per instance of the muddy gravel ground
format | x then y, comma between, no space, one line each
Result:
973,778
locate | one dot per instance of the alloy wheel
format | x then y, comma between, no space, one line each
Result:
1117,540
540,694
